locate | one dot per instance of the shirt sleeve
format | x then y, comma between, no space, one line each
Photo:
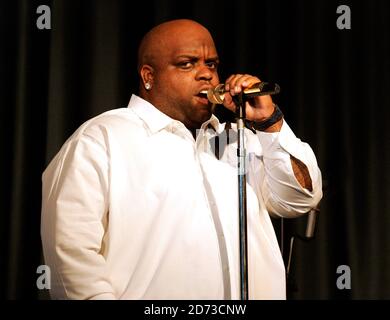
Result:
74,216
281,191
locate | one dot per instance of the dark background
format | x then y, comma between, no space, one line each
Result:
335,95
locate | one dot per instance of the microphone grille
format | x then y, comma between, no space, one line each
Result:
217,94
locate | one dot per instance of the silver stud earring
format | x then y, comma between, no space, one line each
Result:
148,86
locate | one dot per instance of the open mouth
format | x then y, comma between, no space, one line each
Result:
202,94
203,97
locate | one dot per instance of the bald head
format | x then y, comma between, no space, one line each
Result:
165,37
176,61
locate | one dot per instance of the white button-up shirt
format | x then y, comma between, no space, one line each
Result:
134,208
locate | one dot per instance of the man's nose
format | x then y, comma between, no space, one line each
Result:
204,73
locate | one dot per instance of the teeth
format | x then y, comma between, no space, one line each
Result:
203,92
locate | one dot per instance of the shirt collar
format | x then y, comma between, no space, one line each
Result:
157,120
153,118
214,123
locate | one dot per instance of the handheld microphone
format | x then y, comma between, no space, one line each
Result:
216,95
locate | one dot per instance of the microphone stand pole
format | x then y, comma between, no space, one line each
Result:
242,209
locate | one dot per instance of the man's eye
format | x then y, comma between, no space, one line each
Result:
212,65
186,64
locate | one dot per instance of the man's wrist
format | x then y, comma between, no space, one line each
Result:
271,124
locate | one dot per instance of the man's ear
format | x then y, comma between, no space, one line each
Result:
147,76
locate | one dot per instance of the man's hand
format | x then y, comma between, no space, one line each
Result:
258,108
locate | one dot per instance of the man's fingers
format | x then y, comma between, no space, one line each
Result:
238,82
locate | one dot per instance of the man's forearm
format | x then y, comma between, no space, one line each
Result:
301,173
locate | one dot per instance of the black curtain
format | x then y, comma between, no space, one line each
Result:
334,94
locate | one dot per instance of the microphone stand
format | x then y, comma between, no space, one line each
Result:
216,96
242,205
